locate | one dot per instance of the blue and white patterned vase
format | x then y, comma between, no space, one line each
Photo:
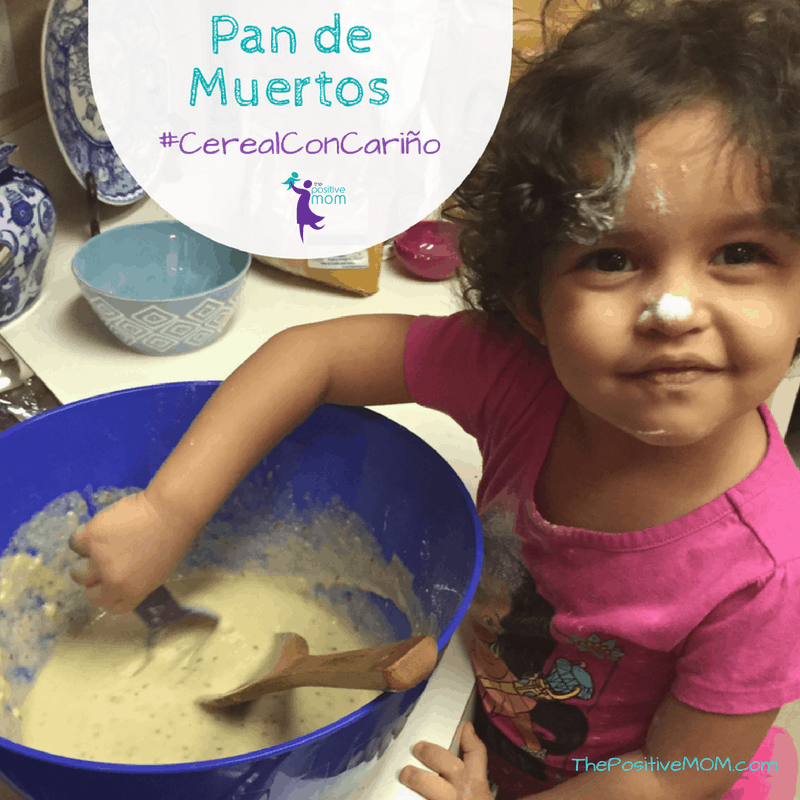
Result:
27,230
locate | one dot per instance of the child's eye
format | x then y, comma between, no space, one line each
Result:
743,253
605,261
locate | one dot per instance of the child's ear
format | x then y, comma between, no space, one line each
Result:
519,306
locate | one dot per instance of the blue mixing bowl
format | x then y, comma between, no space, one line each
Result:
160,287
405,492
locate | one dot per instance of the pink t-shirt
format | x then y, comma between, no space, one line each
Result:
576,636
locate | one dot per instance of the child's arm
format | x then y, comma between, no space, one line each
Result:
677,731
135,544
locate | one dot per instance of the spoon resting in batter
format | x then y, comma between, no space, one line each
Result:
391,667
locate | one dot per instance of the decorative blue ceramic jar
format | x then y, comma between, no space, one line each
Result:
27,230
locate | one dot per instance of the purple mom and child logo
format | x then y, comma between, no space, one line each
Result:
313,194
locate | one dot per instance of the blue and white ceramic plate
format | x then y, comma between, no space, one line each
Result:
71,107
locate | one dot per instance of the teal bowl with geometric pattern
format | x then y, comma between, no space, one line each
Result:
160,287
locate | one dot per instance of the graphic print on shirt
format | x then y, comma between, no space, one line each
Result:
537,684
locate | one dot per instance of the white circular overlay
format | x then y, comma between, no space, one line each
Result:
299,129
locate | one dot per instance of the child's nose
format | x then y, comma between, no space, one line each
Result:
672,313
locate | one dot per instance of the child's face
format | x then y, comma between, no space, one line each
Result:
678,234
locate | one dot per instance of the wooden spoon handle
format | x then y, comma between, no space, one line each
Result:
390,667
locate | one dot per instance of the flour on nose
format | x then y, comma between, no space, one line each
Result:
669,308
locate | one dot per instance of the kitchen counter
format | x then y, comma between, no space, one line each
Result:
68,347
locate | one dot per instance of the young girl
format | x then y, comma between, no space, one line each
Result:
632,257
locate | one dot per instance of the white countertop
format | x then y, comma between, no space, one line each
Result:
68,347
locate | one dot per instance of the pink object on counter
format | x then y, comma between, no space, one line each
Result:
429,249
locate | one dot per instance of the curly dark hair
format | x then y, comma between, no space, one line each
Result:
622,64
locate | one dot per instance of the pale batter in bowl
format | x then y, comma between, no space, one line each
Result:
76,684
103,697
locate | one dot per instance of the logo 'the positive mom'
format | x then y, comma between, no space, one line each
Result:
313,194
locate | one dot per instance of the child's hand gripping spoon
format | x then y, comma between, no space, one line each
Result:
391,667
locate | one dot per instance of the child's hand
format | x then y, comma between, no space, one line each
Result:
129,548
454,778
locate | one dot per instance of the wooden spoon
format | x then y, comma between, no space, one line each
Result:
388,668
